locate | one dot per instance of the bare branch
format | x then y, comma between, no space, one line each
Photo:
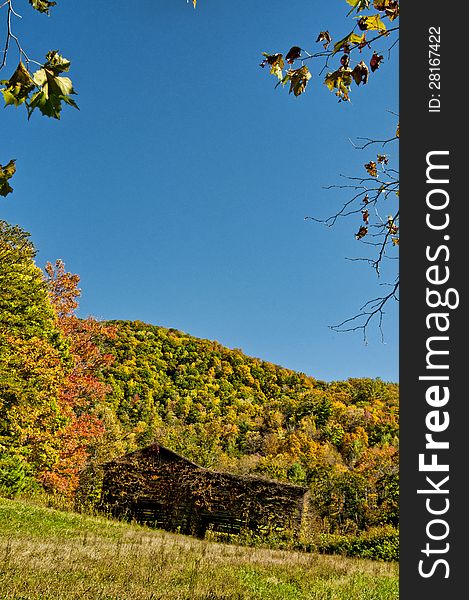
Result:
373,309
10,35
370,141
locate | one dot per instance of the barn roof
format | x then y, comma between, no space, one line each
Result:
152,450
156,449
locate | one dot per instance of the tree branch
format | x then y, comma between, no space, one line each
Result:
369,311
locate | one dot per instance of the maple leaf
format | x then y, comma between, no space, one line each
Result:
371,23
390,7
359,5
18,87
340,81
392,227
6,173
42,6
375,61
298,79
53,87
293,54
348,41
345,60
360,73
276,63
361,232
371,168
324,36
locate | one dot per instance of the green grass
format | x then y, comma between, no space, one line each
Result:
46,554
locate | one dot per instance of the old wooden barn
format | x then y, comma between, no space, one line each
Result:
159,487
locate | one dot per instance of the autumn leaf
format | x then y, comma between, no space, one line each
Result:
371,23
18,87
349,40
42,6
298,79
56,62
358,5
365,215
53,88
293,54
397,130
391,225
340,81
324,36
371,168
345,61
382,159
276,63
375,61
360,73
390,7
361,232
6,173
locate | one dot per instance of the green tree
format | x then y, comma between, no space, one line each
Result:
32,355
25,309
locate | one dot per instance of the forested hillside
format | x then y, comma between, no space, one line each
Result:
77,392
224,409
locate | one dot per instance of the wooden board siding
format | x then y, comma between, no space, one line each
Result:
163,489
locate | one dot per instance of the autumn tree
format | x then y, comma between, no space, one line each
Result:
33,356
82,394
50,361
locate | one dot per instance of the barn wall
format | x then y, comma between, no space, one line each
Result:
175,494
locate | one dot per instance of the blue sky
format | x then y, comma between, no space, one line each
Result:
178,192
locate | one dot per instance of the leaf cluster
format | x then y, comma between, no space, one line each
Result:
339,80
46,89
42,6
6,173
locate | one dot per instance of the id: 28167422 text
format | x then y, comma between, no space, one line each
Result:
434,75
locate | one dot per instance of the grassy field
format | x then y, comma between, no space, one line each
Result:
46,554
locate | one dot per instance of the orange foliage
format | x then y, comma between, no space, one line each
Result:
81,389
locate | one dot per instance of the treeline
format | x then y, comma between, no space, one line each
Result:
76,392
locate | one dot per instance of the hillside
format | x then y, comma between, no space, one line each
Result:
226,410
164,377
75,393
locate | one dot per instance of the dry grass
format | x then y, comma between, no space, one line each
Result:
50,555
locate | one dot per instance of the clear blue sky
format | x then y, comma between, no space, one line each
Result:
178,192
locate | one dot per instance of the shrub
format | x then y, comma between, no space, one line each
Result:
15,476
378,543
